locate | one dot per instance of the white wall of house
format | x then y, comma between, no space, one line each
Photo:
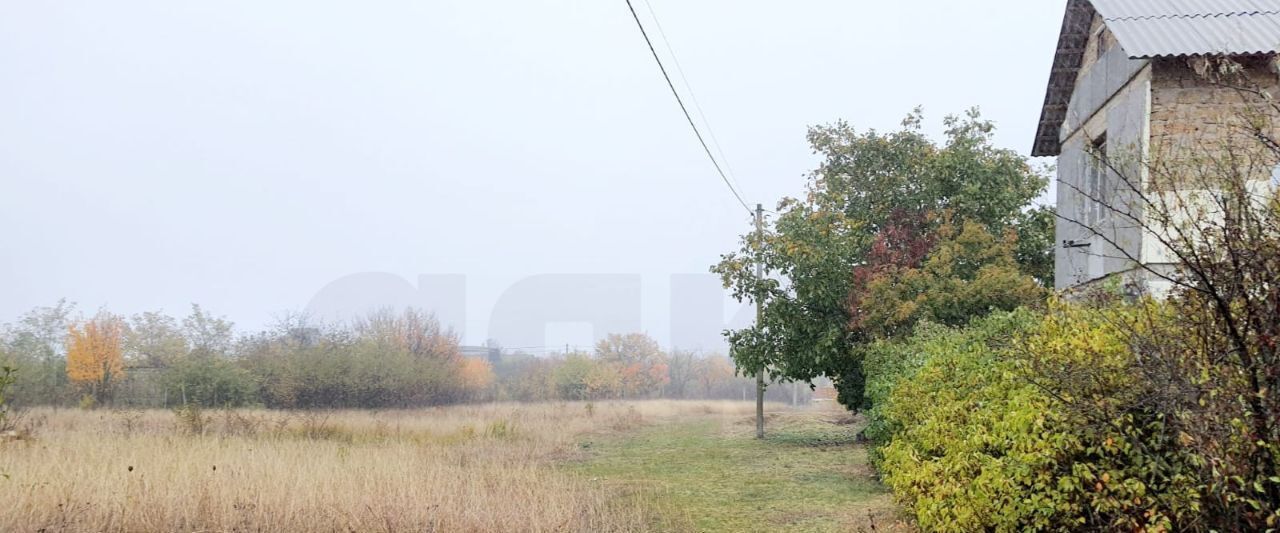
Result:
1163,113
1111,110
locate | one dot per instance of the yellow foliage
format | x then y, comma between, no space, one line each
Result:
1026,422
95,354
970,273
476,374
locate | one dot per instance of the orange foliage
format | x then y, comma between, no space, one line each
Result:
642,365
713,372
644,377
476,374
604,380
411,331
95,354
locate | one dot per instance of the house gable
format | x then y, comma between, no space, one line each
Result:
1151,29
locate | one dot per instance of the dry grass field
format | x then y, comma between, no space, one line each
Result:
503,467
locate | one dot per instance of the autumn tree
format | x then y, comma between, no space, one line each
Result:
874,203
712,372
524,377
970,273
605,380
476,375
95,355
641,362
412,331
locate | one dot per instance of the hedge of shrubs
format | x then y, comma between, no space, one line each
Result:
1058,420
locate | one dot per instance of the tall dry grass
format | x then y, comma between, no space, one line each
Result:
470,468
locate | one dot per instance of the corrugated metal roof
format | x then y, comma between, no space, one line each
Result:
1160,28
1135,9
1153,28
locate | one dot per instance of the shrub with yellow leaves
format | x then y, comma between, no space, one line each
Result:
1027,421
95,356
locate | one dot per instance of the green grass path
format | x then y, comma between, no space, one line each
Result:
709,474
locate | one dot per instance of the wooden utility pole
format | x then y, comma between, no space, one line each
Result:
759,309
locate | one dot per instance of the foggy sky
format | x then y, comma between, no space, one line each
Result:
244,154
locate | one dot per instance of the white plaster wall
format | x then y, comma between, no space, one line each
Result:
1123,116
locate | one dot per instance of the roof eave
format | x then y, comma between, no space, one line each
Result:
1062,78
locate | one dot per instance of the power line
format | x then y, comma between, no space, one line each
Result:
685,109
675,58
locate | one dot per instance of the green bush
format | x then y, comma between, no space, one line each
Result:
962,442
38,381
970,440
337,371
1162,413
210,382
7,378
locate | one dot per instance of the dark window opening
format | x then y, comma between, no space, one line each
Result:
1096,187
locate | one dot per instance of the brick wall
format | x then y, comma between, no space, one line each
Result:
1100,40
1198,115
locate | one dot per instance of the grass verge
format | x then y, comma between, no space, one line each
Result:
710,474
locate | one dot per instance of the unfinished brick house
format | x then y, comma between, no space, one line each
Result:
1132,82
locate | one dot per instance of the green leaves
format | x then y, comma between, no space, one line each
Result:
8,375
875,202
969,444
1024,421
969,274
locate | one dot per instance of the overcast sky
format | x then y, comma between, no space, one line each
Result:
244,154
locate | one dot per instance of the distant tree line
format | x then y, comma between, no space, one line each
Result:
382,360
629,366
